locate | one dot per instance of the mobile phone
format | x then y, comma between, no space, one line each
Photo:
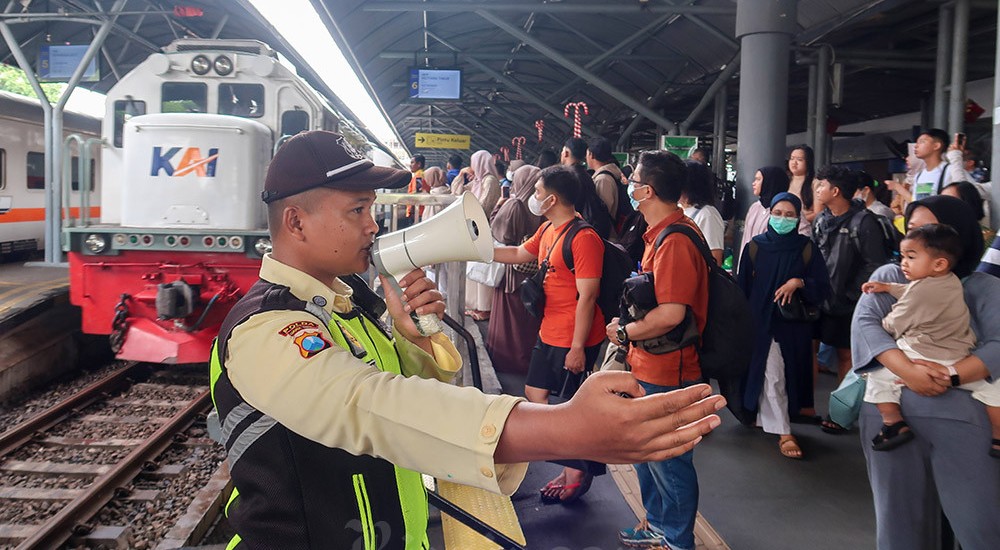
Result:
505,192
960,139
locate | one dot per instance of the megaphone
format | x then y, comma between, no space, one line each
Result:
460,232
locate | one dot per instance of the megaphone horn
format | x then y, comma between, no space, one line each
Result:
460,232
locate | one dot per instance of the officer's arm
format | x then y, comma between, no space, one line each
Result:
324,393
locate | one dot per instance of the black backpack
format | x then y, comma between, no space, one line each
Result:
727,341
725,191
624,209
590,206
890,236
630,237
618,266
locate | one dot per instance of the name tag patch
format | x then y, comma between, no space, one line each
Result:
297,326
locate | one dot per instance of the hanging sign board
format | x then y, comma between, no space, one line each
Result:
621,157
682,146
57,63
441,141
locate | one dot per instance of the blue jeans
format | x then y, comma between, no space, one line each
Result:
670,491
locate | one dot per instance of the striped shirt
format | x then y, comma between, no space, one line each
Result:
991,260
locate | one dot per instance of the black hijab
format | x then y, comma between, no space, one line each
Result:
776,261
958,214
775,181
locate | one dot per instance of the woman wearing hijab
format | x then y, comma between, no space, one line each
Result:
767,182
777,267
434,180
485,185
512,331
947,467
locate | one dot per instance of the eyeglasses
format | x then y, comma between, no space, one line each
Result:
636,182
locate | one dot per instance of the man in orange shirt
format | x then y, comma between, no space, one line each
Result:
680,279
572,324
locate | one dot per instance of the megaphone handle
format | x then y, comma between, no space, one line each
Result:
427,324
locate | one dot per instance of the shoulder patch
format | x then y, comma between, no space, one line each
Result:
294,328
310,343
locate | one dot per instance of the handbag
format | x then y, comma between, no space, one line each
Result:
527,268
846,400
531,290
489,274
798,310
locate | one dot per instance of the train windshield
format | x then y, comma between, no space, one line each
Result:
184,97
245,100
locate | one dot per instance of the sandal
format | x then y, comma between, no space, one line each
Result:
581,489
831,427
892,436
789,448
995,449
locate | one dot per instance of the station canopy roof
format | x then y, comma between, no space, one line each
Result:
143,27
523,60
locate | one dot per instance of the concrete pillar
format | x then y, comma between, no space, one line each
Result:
941,65
719,152
765,29
959,56
995,160
811,109
821,139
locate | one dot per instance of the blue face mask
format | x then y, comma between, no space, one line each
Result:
629,190
783,225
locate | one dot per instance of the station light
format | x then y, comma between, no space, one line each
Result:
223,65
200,65
262,246
236,242
95,243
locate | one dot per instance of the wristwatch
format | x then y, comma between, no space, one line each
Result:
953,373
622,335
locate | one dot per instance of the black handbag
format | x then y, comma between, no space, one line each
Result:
798,310
531,290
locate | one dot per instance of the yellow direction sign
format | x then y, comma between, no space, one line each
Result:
441,141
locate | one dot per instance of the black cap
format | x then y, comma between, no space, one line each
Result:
312,159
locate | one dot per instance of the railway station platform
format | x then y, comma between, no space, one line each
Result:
38,326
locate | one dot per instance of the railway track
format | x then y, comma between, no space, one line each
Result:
108,467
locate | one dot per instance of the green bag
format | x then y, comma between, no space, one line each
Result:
846,400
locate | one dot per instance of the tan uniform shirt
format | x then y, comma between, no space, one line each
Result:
333,398
932,318
607,178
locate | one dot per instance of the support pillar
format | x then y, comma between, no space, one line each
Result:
820,138
959,57
721,120
945,25
811,109
995,160
765,31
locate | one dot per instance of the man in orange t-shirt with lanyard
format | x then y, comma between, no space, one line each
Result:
572,323
680,280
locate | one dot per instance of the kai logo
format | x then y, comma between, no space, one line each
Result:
191,162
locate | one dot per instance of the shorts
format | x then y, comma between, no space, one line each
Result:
546,369
835,330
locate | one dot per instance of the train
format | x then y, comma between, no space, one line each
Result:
185,145
22,173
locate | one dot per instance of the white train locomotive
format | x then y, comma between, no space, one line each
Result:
22,172
188,135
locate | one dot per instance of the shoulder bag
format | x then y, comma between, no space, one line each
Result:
532,291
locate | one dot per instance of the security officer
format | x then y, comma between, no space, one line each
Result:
326,412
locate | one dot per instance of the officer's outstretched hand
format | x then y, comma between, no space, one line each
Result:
611,420
419,295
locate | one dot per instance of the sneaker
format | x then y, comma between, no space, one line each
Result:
637,537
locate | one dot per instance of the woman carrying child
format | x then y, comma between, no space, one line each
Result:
947,466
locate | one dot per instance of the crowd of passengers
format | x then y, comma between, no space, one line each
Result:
889,280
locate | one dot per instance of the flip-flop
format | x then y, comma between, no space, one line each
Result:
546,499
581,489
892,436
831,427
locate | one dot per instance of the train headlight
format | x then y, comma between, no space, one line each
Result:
262,246
96,244
200,65
223,65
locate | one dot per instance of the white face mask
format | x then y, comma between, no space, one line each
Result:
536,207
510,175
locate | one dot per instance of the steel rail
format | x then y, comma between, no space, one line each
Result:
23,432
60,527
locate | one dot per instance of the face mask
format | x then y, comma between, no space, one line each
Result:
783,225
510,175
631,189
535,206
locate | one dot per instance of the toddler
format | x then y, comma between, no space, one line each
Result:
930,321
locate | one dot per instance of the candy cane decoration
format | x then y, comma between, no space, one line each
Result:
518,142
577,126
540,126
506,153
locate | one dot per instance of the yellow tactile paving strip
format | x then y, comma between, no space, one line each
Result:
705,538
14,295
495,510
